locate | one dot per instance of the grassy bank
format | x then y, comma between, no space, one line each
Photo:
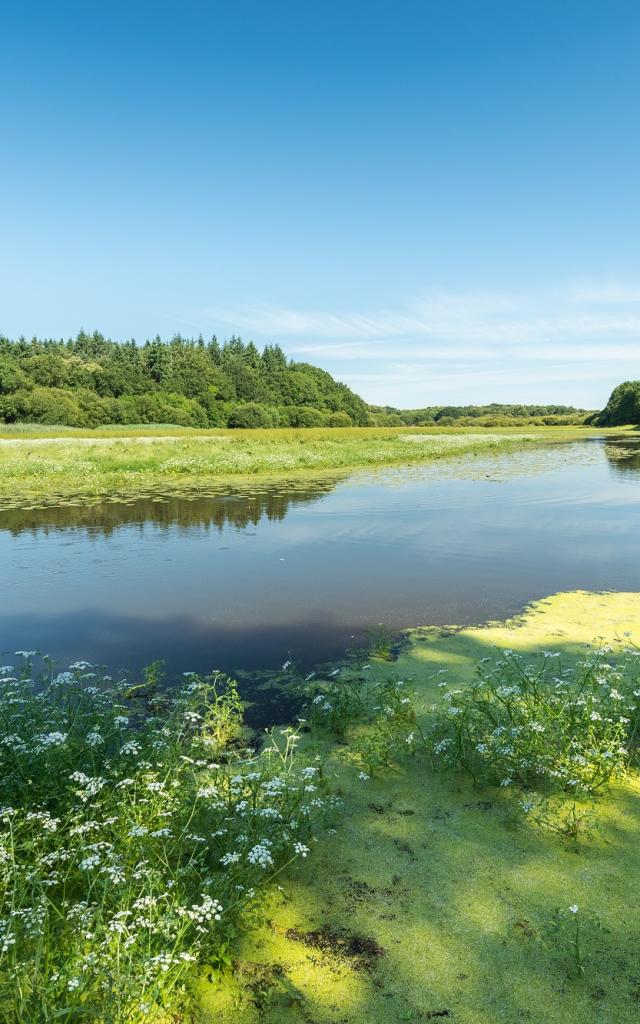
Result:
435,900
43,465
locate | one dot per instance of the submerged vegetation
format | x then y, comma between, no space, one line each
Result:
143,830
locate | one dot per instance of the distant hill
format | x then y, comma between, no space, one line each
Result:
493,415
90,380
623,406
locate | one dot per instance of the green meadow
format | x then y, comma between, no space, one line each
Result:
38,463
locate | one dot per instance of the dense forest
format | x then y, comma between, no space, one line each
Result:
623,406
90,380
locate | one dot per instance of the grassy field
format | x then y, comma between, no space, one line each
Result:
51,463
432,902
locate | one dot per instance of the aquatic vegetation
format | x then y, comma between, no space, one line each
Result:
138,832
446,875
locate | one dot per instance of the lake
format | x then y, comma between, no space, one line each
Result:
249,576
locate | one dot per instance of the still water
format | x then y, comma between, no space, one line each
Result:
249,577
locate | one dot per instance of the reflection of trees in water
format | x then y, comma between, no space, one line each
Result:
623,456
237,507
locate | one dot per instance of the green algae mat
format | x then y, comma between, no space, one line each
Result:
431,902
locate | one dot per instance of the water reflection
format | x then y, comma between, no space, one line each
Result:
238,507
247,577
624,457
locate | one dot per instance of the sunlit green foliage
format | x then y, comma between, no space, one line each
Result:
623,406
90,380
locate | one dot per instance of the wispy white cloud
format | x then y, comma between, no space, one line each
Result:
569,344
579,312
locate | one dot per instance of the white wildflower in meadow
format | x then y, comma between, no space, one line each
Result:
90,862
261,855
156,786
131,747
85,854
230,858
64,678
574,908
51,739
202,913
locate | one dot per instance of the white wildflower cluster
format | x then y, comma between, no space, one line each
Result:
145,846
527,724
261,854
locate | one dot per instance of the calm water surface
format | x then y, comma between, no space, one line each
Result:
249,578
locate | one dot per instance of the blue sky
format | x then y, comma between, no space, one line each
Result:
438,202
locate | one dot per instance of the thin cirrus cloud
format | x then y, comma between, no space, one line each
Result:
578,313
564,345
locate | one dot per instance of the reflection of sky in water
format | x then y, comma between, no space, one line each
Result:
244,580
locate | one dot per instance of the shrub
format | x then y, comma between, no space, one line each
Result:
305,416
340,419
249,416
43,405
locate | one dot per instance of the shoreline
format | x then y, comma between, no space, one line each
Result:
50,470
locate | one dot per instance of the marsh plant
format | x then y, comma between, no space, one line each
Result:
137,834
534,724
380,718
570,931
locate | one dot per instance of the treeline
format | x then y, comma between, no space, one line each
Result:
90,380
494,415
623,406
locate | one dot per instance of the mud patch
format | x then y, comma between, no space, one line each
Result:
358,892
361,950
